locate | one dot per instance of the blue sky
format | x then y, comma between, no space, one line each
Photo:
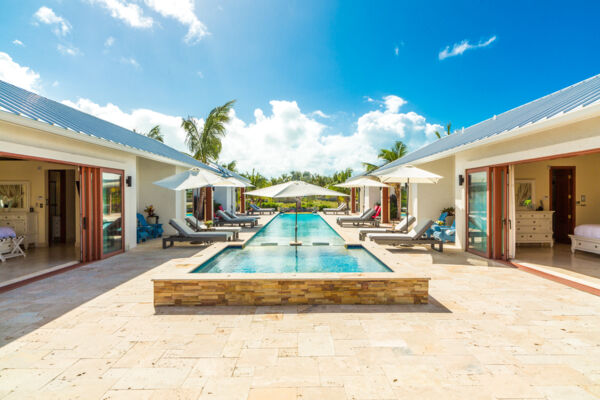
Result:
314,80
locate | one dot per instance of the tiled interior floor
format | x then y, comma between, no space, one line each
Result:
38,259
581,265
489,332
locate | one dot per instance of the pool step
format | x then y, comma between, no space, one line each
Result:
320,243
269,244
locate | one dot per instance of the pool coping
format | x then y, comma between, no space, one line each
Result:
180,286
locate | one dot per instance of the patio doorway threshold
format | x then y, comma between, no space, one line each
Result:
568,280
35,276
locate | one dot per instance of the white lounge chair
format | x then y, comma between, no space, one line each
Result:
258,210
193,222
186,234
401,226
227,219
365,218
342,208
415,236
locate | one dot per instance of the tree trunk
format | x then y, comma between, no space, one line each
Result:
199,206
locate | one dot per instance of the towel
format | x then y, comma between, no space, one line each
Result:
7,232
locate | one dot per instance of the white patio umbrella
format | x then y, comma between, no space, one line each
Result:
194,178
362,182
232,182
407,174
297,189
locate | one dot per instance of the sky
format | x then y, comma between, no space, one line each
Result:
319,85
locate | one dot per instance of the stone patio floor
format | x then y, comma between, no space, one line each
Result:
489,332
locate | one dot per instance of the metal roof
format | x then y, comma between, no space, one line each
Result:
576,96
24,103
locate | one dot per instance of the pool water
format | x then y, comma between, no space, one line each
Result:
311,229
323,250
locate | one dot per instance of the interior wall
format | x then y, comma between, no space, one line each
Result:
223,196
35,173
586,184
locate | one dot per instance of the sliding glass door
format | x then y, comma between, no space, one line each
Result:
487,211
112,211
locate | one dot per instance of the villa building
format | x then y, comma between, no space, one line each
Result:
72,183
526,177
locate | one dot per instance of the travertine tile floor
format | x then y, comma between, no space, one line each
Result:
489,332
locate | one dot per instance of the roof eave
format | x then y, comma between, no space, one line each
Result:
83,137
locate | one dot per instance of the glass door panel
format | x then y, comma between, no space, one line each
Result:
477,211
112,212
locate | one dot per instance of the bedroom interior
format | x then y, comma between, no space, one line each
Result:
557,212
39,213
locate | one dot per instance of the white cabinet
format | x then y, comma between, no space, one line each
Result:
24,224
534,227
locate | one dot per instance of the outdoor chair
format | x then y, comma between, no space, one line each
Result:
342,208
186,234
193,222
401,226
227,219
445,233
415,236
365,218
258,210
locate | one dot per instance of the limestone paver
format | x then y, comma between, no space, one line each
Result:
488,332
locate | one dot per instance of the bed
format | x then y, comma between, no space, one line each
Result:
586,238
10,244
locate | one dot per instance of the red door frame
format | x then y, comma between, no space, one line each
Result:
573,200
499,202
101,205
488,253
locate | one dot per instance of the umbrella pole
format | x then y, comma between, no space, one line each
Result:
407,203
296,225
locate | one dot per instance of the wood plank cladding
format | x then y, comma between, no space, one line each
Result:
262,292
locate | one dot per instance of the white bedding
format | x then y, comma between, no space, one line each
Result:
589,231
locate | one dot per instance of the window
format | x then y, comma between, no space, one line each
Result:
477,211
112,211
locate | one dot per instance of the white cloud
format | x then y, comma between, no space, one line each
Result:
12,72
396,50
130,61
17,42
109,41
47,16
460,48
200,74
182,11
319,113
68,50
141,119
55,84
130,13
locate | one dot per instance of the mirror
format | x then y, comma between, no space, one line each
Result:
525,194
13,195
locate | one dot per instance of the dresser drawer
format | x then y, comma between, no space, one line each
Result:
534,237
585,245
533,215
534,225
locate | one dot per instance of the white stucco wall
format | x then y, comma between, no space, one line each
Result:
427,200
226,197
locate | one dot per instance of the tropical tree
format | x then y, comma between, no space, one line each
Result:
370,167
448,131
232,166
397,151
205,142
156,134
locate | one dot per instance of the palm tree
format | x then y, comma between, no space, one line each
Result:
448,132
231,166
397,151
156,134
370,167
205,143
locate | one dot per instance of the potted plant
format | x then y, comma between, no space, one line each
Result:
151,218
450,216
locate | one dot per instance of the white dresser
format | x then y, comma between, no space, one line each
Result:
534,227
24,223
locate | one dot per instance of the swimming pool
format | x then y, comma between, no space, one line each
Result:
323,250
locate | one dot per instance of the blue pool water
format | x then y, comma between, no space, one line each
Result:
269,251
311,229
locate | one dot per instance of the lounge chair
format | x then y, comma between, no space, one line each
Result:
415,236
254,209
228,219
398,228
445,233
365,218
186,234
193,222
342,208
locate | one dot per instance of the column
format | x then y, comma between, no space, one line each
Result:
208,203
242,200
385,205
353,200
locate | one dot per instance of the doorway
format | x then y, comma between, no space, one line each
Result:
57,220
562,202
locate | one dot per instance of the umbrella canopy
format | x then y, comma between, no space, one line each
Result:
232,182
190,179
362,182
294,189
407,174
